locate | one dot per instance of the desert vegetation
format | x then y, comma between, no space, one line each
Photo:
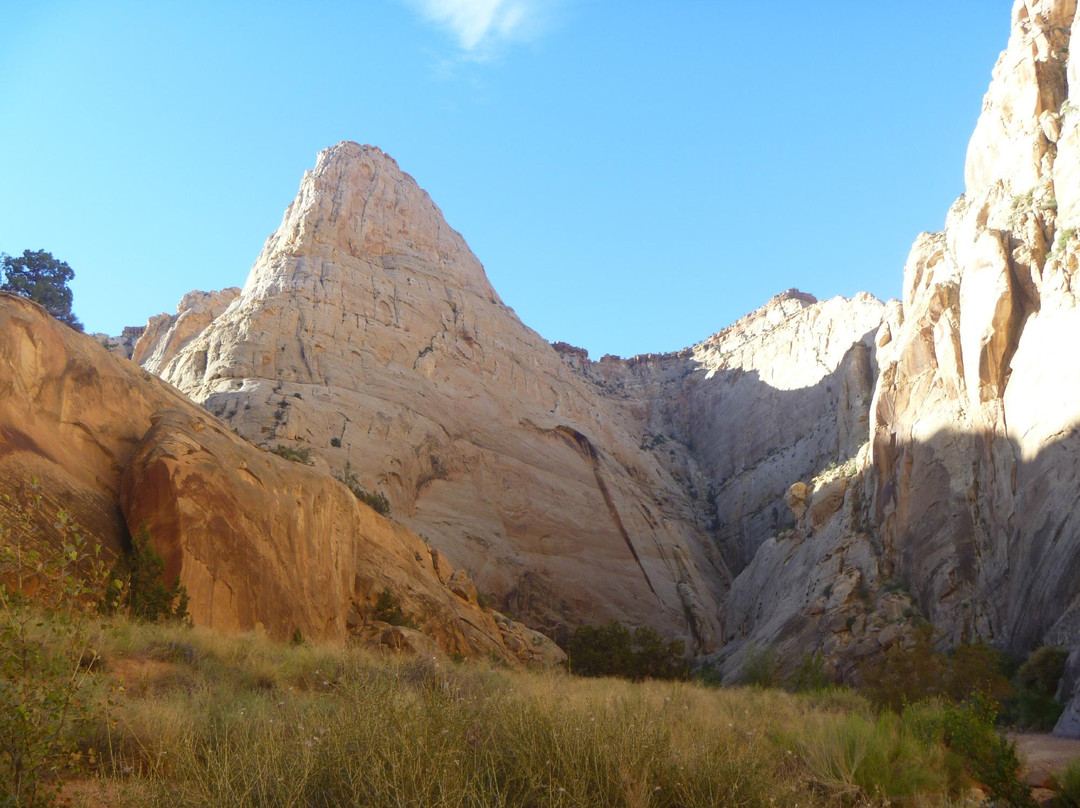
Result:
106,701
177,716
373,499
300,454
615,650
198,719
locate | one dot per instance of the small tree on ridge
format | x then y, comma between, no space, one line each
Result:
43,279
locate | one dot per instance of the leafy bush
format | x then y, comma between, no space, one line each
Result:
49,647
613,650
1032,711
300,455
709,675
1064,237
388,610
376,501
1034,706
976,668
905,675
1042,671
990,757
136,583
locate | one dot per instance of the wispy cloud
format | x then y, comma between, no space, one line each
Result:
482,26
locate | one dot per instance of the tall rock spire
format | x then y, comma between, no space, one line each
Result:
368,333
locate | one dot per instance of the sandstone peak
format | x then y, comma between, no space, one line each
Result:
792,294
776,310
258,542
166,334
756,490
356,203
367,333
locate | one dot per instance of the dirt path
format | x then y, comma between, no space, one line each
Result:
1043,755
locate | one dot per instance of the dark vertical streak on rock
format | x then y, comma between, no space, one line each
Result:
588,451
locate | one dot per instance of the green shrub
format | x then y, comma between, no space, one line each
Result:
809,676
656,657
376,501
905,675
1064,237
760,667
613,650
1034,706
136,584
300,455
976,668
1032,711
897,586
388,610
709,675
970,732
49,647
1067,786
1042,671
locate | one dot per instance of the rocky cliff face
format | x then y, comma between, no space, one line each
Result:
975,446
777,396
166,334
71,416
975,441
807,479
575,491
259,542
967,494
368,332
691,491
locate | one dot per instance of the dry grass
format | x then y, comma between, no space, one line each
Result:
206,720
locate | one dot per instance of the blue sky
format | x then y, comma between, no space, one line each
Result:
634,176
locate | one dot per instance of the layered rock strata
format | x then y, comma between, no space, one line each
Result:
71,416
972,484
259,542
686,490
368,332
975,441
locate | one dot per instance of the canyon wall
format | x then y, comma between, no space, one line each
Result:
571,490
815,477
964,506
975,445
260,543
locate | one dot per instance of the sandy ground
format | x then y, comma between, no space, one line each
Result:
1044,755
